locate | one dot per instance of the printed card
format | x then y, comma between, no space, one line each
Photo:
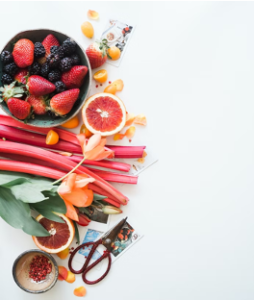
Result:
117,34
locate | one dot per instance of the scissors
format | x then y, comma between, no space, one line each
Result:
106,240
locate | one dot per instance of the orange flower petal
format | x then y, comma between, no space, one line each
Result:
71,211
93,154
80,291
129,119
92,14
78,197
140,119
105,154
118,84
83,182
93,142
82,141
130,132
118,136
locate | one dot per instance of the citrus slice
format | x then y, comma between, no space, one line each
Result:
61,234
101,76
104,113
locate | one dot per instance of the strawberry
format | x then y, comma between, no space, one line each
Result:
97,53
62,103
38,104
20,76
50,40
39,86
19,108
74,77
23,53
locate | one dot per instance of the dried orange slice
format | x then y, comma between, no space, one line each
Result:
118,84
61,234
101,76
104,113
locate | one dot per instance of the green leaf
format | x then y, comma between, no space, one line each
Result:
84,210
17,214
26,188
76,232
48,207
97,197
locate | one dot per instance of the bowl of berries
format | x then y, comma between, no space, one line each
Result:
45,77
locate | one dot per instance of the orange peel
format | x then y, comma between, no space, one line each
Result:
93,15
129,119
140,119
63,254
80,291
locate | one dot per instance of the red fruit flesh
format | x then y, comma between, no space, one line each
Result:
95,56
74,77
50,40
62,103
38,104
19,108
20,76
39,86
23,53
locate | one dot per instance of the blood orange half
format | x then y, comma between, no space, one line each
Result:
61,234
104,113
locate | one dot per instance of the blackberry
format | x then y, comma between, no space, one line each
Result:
7,79
60,52
54,49
11,69
34,69
53,60
75,59
60,87
54,75
39,50
69,46
45,70
65,64
6,57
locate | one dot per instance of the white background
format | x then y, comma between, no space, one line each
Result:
190,68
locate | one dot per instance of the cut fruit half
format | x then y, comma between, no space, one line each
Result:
104,113
61,234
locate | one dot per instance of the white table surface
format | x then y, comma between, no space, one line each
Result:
190,69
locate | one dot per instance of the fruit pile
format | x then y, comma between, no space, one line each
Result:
41,78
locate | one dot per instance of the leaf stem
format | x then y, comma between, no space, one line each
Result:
78,165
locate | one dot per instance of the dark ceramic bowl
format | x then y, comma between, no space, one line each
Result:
41,287
37,36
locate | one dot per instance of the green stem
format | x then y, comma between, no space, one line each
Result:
78,165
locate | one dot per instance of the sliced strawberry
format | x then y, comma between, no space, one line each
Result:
97,53
50,40
23,53
74,77
19,108
39,86
61,104
38,104
20,76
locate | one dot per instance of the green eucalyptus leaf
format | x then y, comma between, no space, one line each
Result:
26,188
97,197
48,207
17,214
76,232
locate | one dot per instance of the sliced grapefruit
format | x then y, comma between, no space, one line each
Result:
61,234
104,113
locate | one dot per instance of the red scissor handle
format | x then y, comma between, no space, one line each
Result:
85,269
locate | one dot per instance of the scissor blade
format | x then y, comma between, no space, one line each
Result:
110,236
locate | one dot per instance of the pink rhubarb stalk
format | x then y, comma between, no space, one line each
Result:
42,154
